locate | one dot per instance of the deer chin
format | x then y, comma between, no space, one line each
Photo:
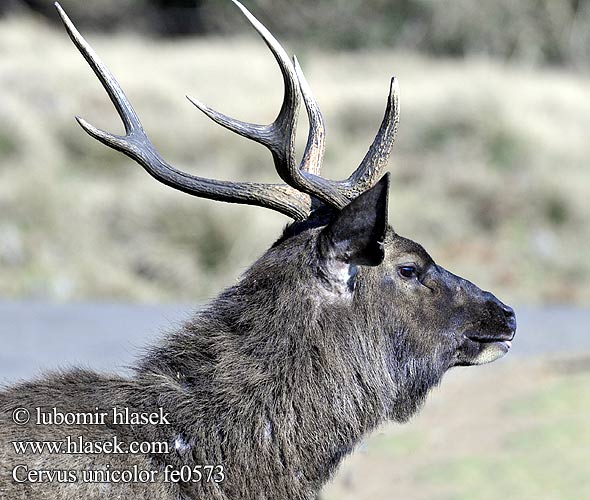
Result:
491,351
479,352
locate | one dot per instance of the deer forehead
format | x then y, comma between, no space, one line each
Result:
403,250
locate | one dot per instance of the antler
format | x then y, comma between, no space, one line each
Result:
304,191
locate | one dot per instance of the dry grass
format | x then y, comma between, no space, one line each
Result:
490,171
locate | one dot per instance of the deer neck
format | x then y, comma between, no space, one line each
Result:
242,384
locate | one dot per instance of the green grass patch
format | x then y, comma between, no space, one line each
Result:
504,149
397,445
7,144
548,460
565,396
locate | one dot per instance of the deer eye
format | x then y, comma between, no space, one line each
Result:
408,272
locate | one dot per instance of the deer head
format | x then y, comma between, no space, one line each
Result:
340,306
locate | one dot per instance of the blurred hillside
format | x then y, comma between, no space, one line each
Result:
490,171
530,31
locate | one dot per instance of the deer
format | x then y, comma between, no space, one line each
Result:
340,326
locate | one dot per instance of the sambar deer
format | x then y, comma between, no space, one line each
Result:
341,325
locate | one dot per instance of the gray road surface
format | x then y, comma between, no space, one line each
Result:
36,337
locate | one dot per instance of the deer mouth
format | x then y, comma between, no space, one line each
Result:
478,349
491,340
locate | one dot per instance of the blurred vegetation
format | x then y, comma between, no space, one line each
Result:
530,31
490,170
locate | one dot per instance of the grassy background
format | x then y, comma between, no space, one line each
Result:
490,171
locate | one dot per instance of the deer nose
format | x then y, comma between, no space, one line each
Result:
510,318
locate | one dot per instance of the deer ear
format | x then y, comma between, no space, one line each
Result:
356,235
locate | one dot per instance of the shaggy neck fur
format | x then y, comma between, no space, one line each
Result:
277,384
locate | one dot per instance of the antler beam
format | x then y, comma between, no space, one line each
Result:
304,191
136,145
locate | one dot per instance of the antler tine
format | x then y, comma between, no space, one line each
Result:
136,145
124,109
370,169
279,136
316,139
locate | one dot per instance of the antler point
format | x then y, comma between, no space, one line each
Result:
197,103
394,86
84,124
61,12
